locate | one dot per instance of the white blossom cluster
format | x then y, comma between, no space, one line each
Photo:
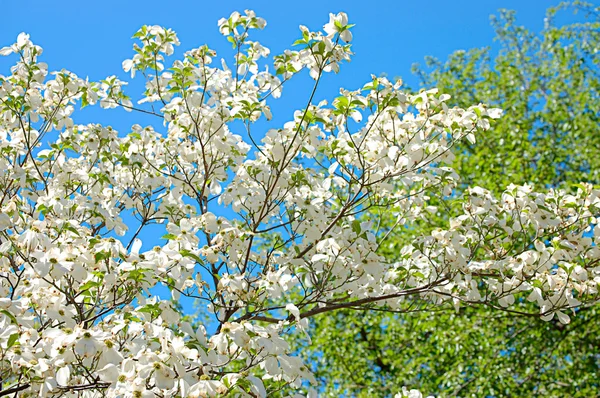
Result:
77,314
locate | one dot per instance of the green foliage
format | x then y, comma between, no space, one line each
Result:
548,85
472,353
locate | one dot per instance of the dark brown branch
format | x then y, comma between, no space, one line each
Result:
14,390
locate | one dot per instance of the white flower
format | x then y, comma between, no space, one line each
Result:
338,23
87,346
63,375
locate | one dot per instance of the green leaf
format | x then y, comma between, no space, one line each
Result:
187,253
12,340
356,227
10,316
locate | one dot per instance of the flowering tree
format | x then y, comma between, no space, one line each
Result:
77,313
548,83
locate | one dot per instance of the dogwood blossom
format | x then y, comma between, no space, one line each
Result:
79,315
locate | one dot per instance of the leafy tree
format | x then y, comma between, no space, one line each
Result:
264,229
548,85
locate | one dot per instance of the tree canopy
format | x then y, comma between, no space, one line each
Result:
356,203
548,85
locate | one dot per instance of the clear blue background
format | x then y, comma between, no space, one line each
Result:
92,38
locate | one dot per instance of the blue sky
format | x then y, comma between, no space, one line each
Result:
92,38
